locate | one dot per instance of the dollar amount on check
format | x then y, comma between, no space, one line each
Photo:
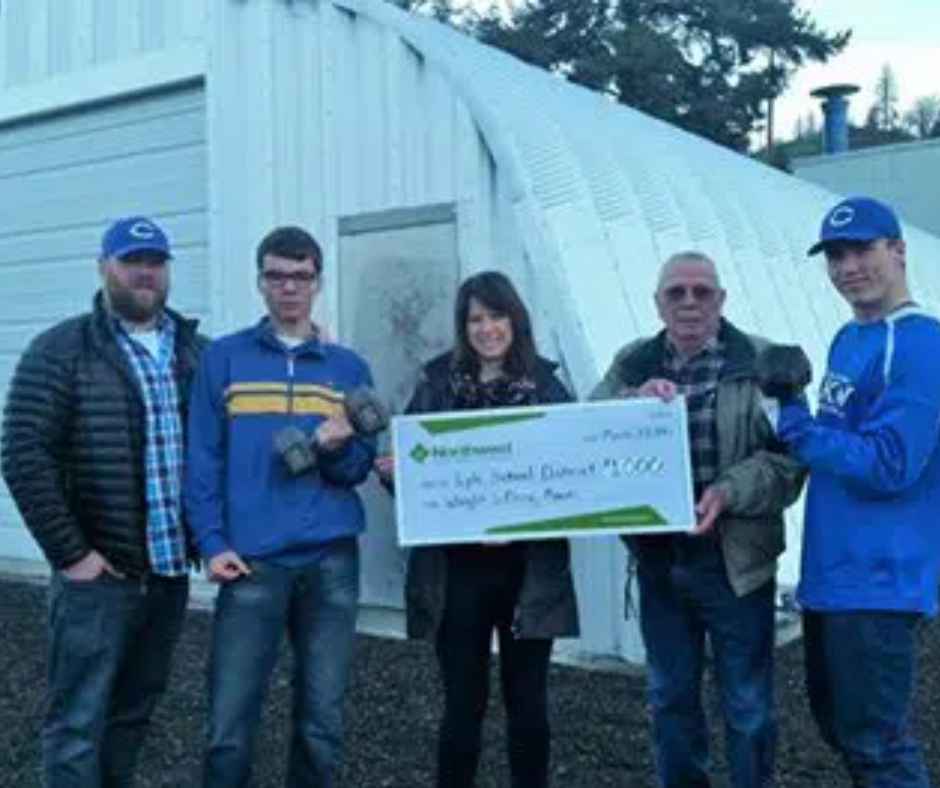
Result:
540,472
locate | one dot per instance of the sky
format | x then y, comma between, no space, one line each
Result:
902,33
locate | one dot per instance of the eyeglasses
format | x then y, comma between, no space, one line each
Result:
299,279
701,294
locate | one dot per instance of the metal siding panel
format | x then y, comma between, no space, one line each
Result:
298,92
193,16
287,84
49,235
92,142
439,104
40,51
82,33
257,97
152,22
347,152
15,19
227,168
905,175
106,35
41,39
394,86
413,163
371,127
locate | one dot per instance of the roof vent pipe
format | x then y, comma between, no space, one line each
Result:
835,106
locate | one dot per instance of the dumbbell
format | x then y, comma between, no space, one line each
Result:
783,371
299,450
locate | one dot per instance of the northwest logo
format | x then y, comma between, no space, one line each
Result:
421,453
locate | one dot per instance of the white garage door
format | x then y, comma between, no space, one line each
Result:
62,179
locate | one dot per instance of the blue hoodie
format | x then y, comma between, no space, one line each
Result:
238,492
871,537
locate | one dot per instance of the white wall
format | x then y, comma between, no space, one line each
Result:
907,176
41,40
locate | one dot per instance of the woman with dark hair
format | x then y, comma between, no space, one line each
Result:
458,595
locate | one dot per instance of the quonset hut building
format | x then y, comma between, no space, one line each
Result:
417,156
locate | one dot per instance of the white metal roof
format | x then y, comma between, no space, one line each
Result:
603,194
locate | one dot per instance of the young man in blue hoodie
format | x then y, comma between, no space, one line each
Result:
871,543
282,543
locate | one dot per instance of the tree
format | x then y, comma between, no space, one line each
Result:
442,10
884,113
710,66
923,118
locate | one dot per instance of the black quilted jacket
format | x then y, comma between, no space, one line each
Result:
73,440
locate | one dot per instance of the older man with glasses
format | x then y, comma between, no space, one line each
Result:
719,580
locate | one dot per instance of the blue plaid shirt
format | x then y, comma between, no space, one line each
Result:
163,447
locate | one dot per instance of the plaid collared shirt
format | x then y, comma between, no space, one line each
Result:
697,379
163,446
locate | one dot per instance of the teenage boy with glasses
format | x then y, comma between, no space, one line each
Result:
283,546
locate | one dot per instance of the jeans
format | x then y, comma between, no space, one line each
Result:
110,643
482,592
860,677
684,596
316,604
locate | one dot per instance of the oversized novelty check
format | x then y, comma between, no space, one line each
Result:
533,473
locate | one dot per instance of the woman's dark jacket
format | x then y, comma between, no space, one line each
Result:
546,607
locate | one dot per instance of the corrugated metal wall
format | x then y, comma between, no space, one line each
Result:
67,176
337,115
45,39
318,110
906,175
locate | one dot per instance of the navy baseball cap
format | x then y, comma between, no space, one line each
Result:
134,234
857,219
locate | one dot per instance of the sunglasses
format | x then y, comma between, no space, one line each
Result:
700,294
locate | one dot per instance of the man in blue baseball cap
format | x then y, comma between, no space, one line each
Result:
871,553
92,452
133,267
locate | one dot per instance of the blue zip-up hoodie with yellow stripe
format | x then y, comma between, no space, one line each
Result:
239,494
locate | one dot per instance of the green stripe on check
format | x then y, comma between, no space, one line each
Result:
630,517
441,426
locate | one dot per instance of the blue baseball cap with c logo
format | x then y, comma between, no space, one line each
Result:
134,234
857,219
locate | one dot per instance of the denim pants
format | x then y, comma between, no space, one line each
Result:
482,593
316,605
684,596
860,677
110,643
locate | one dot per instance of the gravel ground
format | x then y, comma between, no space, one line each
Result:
599,719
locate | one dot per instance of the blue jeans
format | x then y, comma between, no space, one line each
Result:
684,596
110,645
860,676
316,605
